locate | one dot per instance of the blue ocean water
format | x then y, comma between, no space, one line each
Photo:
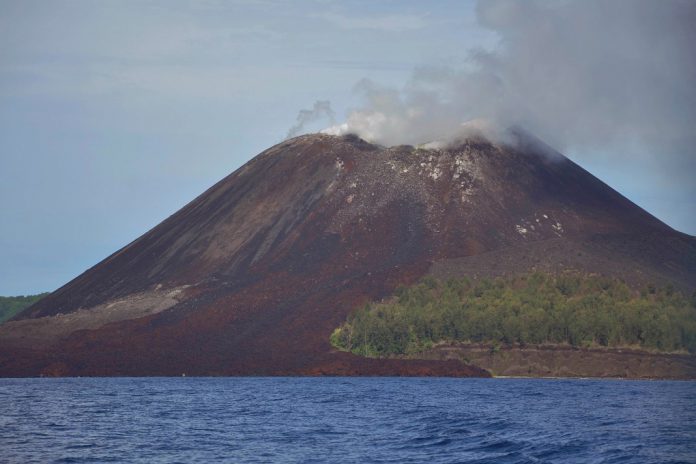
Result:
395,420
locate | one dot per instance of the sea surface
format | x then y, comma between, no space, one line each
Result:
397,420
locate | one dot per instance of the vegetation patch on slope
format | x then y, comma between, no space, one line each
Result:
12,305
571,309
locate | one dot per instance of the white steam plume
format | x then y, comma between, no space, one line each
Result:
590,74
321,109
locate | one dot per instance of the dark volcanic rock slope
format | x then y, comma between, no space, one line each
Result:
253,275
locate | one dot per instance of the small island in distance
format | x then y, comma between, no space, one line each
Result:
12,305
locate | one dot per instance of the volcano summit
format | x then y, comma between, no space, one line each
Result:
252,277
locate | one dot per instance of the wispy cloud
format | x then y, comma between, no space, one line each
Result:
385,23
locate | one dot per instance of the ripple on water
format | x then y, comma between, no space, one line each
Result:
347,420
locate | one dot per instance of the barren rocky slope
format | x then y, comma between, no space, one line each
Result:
252,276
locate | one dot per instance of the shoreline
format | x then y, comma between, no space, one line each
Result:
568,362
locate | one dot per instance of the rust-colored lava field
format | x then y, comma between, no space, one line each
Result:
251,277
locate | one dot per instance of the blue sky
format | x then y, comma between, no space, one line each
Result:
114,114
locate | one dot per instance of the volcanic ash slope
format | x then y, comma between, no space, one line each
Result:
252,276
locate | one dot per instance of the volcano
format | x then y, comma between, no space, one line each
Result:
251,277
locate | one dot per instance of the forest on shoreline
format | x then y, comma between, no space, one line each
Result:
571,309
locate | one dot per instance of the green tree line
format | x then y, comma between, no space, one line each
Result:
579,310
11,305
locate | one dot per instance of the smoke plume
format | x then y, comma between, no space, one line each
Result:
321,109
590,74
